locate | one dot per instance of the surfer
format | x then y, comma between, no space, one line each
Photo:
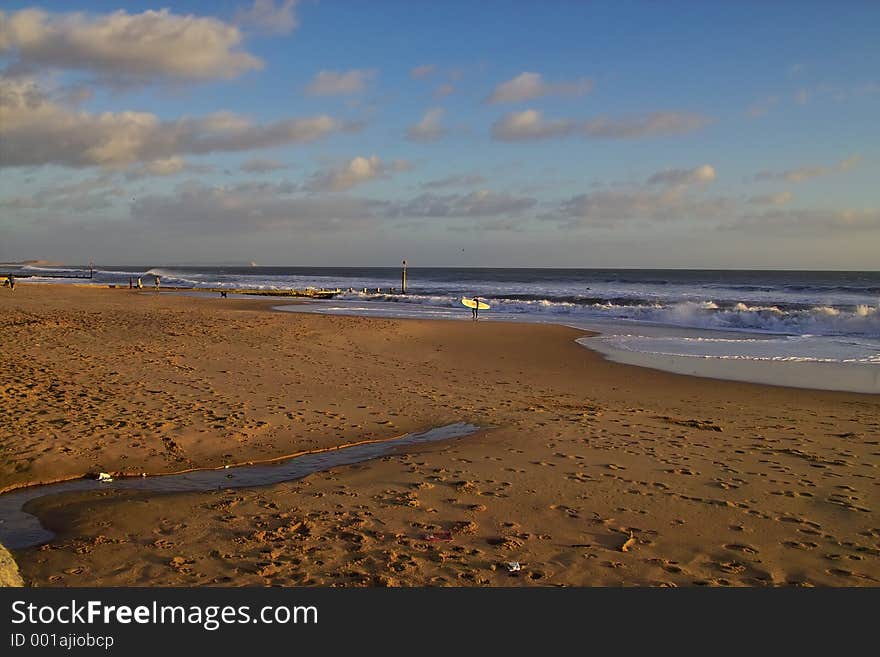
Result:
475,305
11,283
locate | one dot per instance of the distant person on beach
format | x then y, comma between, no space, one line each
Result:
223,294
130,283
140,285
157,283
475,311
11,283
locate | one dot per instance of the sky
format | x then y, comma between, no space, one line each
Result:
497,134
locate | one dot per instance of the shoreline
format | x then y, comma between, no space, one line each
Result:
719,482
846,377
860,378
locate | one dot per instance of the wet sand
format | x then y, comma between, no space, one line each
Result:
703,482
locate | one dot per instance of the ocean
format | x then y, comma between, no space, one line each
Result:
742,315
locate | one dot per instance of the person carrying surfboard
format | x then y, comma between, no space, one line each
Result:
475,305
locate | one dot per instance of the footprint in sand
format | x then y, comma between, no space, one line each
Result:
732,567
799,545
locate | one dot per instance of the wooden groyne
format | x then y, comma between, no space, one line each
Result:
309,293
45,274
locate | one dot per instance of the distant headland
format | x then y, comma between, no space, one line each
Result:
38,263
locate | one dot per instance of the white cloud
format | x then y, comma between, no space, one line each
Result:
198,209
849,163
482,203
670,194
340,83
90,195
701,174
458,180
794,175
782,198
823,91
262,165
429,128
802,221
123,46
422,71
168,166
36,131
195,208
604,207
528,86
530,124
653,124
356,171
761,107
444,90
265,17
801,174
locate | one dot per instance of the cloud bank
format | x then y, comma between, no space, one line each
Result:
145,46
808,172
356,171
35,131
528,86
671,194
531,125
340,83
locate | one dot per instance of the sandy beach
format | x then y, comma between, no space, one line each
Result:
587,472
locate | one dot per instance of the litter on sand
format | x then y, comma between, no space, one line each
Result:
103,476
628,543
513,566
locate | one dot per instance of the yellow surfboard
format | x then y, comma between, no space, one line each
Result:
470,303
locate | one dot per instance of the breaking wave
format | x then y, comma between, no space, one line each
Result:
860,320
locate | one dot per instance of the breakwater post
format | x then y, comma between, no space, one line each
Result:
403,279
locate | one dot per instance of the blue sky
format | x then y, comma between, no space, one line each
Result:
552,134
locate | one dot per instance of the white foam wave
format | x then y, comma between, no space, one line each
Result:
800,349
862,321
